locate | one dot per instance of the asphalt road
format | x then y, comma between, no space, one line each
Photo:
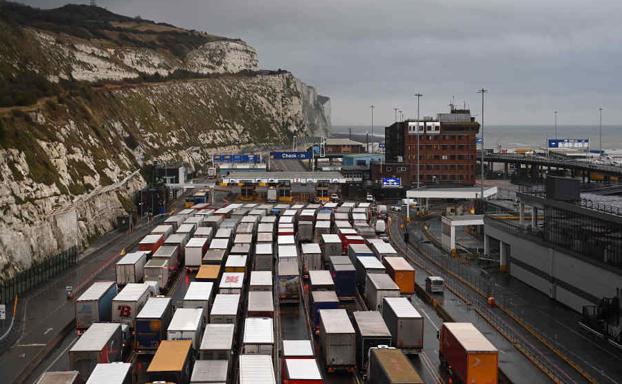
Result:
288,166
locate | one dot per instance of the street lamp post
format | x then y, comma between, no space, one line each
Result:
555,124
483,92
395,111
418,95
372,129
600,130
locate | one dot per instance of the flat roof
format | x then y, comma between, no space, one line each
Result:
275,177
154,308
109,373
185,319
450,193
217,337
456,221
170,355
302,369
297,348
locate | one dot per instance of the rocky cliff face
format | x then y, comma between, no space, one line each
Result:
70,161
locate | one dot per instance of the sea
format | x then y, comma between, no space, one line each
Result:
531,136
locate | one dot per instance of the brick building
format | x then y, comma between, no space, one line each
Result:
447,150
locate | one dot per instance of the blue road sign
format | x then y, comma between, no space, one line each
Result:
569,143
391,182
236,158
290,155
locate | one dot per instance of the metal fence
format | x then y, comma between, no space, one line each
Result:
37,274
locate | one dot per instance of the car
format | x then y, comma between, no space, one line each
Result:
334,198
396,208
370,198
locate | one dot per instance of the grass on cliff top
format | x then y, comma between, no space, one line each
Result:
87,22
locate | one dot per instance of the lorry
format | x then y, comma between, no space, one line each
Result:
434,284
258,338
111,373
231,282
260,281
101,343
186,324
127,303
217,342
171,362
256,369
130,269
371,331
152,322
288,278
157,270
95,305
377,287
260,304
330,246
301,371
225,309
195,249
391,366
151,243
210,372
60,377
405,324
365,265
344,276
199,295
321,300
311,257
321,280
337,340
402,273
467,354
264,257
171,253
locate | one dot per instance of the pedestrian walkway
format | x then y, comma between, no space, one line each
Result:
556,322
46,314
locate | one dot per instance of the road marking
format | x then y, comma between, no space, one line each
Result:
48,331
425,359
31,345
58,357
428,317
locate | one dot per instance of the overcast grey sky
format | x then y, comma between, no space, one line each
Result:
534,56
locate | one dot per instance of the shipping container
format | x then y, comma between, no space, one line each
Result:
331,246
305,231
210,372
265,228
260,304
256,369
265,237
261,281
213,221
402,273
383,249
151,243
95,304
60,377
301,371
371,331
195,249
180,240
164,229
365,265
187,324
321,280
214,256
344,276
288,277
258,338
175,221
321,300
157,270
337,339
101,343
111,373
187,228
152,322
311,257
127,303
199,295
288,253
297,349
241,249
236,263
172,362
405,324
470,357
169,253
219,244
231,282
224,233
321,228
285,240
391,366
264,257
208,272
225,309
217,342
377,287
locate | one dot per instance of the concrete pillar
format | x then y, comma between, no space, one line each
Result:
534,219
506,170
521,207
486,245
503,257
452,238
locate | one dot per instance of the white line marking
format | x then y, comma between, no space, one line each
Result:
48,331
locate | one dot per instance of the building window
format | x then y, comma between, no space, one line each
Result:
388,169
444,157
